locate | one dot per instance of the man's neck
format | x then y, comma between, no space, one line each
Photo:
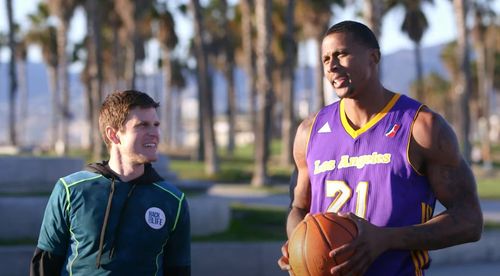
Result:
359,111
125,170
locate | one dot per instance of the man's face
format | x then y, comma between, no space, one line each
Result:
348,65
139,136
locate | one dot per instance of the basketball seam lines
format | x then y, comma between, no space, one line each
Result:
323,236
303,251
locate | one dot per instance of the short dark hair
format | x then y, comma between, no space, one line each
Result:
116,107
359,31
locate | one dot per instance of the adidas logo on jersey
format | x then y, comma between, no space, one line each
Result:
325,128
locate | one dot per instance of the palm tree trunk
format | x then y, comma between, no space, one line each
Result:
491,38
320,90
177,127
231,106
373,11
249,64
117,60
372,14
90,115
167,119
205,92
54,88
96,73
464,84
419,73
62,143
264,95
481,50
24,99
12,77
228,71
288,86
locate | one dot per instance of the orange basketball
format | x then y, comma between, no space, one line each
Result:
314,238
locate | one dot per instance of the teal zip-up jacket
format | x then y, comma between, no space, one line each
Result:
95,224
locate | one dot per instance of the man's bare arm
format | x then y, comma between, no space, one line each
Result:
452,181
302,191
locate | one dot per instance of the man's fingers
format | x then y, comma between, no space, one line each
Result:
284,249
341,250
283,263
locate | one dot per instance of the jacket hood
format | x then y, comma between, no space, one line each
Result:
148,177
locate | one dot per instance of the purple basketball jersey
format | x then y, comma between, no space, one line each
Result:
367,172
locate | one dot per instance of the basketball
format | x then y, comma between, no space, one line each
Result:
314,238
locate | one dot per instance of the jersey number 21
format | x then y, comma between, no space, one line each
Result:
341,193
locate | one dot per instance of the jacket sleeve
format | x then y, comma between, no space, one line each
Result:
54,237
177,256
45,263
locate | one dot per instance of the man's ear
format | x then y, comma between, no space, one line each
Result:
376,56
112,135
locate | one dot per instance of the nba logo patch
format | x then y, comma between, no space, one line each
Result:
391,132
155,218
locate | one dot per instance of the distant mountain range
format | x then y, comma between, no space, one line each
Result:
398,71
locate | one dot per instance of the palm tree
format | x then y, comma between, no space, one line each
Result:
94,10
63,10
448,56
373,10
21,56
227,58
168,40
315,17
464,84
437,96
248,56
12,76
45,35
204,92
485,50
178,82
414,25
265,94
288,87
221,41
132,14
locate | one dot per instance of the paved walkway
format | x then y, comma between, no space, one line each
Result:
244,194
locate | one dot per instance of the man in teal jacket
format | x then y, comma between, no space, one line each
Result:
117,217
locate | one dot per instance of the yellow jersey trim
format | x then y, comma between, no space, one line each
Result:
409,139
355,133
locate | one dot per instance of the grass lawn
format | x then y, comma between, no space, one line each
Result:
249,223
234,169
489,188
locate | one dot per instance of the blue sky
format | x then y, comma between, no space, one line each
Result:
440,16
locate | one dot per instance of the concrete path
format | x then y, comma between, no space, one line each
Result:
237,193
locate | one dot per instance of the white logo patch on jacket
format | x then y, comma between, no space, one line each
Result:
155,218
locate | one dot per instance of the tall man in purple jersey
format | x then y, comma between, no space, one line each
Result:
380,159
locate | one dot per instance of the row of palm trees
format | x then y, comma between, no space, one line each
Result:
259,36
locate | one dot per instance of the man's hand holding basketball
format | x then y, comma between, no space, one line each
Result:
364,249
283,261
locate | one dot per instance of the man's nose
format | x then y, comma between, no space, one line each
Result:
334,65
154,131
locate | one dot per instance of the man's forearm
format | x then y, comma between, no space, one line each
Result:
449,228
295,216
